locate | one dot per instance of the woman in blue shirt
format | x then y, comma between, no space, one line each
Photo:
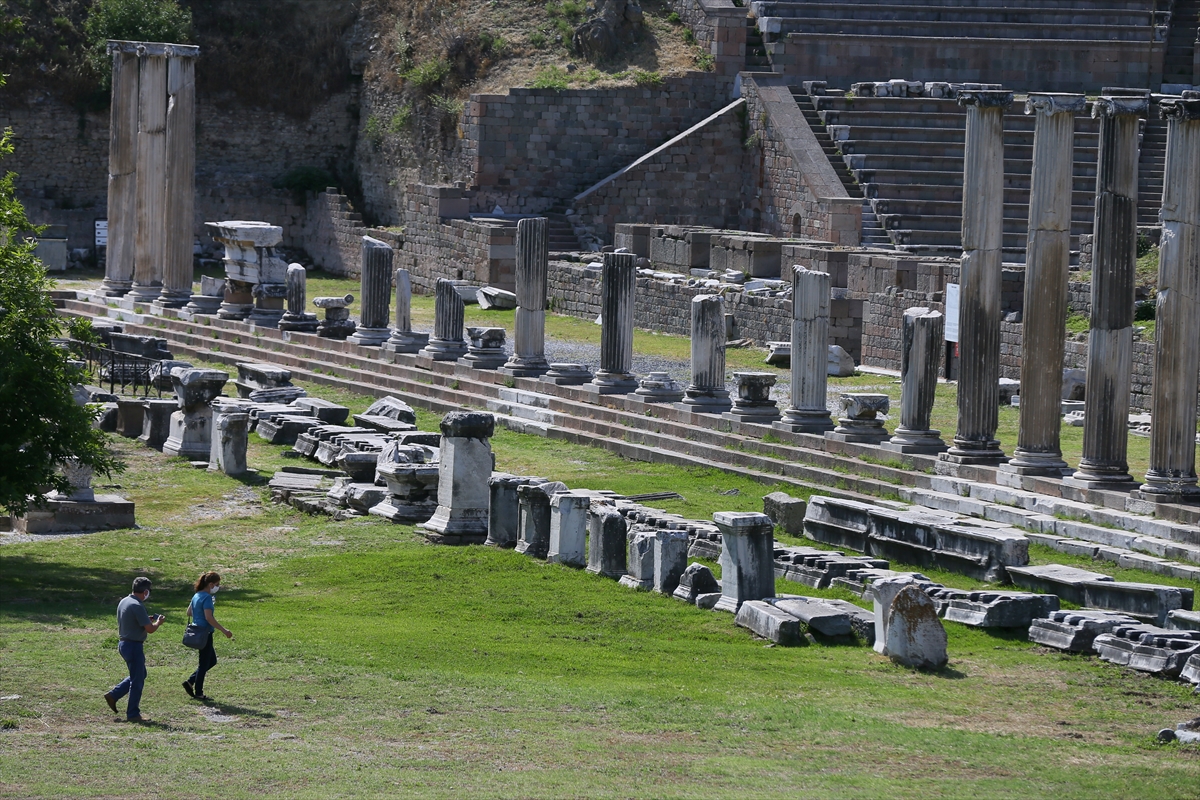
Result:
201,612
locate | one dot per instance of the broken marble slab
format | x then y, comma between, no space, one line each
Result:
992,609
328,413
914,636
696,580
818,568
1075,631
392,408
769,622
284,428
639,560
1148,648
819,616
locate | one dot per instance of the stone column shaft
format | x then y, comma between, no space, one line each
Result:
403,340
150,234
1114,261
122,174
373,328
979,280
810,353
924,332
529,345
1047,262
617,288
707,392
297,289
180,182
1172,473
447,343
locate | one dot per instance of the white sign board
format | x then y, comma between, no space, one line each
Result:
101,233
951,312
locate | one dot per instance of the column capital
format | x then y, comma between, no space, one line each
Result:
985,98
1050,104
1106,106
1179,108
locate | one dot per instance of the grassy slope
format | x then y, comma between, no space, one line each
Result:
403,668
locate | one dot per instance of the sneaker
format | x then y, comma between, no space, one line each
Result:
112,701
187,687
139,720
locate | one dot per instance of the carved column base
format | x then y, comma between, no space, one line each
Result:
798,420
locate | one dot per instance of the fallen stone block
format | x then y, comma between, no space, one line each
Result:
1066,582
764,620
819,568
915,637
1148,648
841,523
328,413
786,511
987,609
1075,631
696,580
819,616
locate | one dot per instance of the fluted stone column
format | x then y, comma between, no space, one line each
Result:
403,339
529,345
979,279
150,231
1172,473
617,288
446,343
924,331
1114,262
1047,262
706,394
372,329
810,354
122,172
179,213
296,318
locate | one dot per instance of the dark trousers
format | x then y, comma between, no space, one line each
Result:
208,660
135,660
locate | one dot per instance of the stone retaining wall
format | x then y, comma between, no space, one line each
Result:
720,28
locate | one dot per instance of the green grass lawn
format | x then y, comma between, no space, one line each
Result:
368,663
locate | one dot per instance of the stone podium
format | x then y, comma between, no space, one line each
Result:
191,426
463,473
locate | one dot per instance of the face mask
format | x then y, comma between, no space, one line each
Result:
214,589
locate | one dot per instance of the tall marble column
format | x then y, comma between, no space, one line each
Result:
979,280
1114,262
1172,473
403,339
150,232
296,318
529,345
446,343
122,171
924,331
810,354
706,394
372,329
1047,262
618,285
179,211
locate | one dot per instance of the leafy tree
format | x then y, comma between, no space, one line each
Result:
40,423
135,20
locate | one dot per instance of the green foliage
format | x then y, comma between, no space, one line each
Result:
400,121
705,62
40,423
493,44
537,39
674,18
136,20
650,80
428,75
688,36
449,106
564,16
549,78
300,180
373,131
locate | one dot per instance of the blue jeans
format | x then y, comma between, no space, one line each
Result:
135,659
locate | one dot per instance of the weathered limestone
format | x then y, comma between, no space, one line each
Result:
191,425
254,276
80,509
533,517
446,343
122,173
606,542
979,299
529,342
639,559
208,299
129,416
1047,261
1172,472
915,636
337,323
296,318
403,338
920,357
706,394
670,559
465,466
180,183
486,348
412,483
617,287
810,352
568,528
372,330
696,580
659,387
150,231
753,402
747,566
504,508
860,421
1114,263
230,437
156,422
769,622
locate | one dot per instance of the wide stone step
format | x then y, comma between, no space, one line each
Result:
942,164
885,12
869,132
953,222
918,189
951,117
858,148
1108,5
955,29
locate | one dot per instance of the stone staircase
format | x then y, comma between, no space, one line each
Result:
907,155
1178,64
560,232
756,52
873,234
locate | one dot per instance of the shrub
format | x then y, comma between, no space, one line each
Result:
428,75
537,39
550,78
674,18
688,36
705,62
373,131
138,20
651,80
400,121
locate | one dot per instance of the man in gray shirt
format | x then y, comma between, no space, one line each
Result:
133,625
